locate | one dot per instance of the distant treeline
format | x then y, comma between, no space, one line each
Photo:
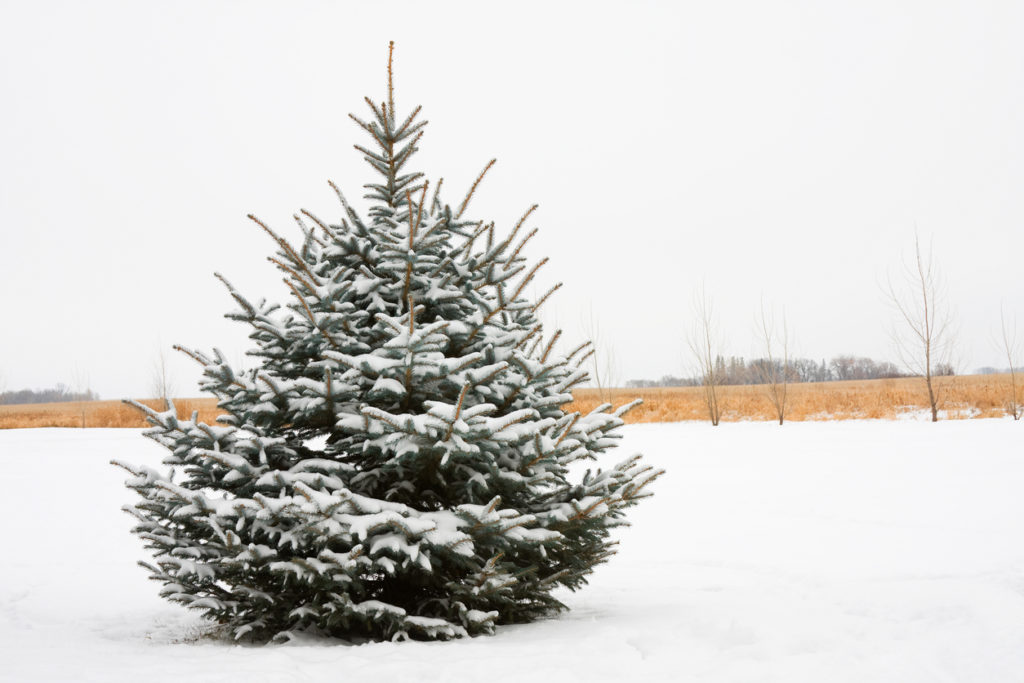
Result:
59,394
988,370
737,370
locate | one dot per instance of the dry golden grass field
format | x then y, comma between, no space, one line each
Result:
962,397
96,413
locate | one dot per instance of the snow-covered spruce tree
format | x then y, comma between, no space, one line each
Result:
398,464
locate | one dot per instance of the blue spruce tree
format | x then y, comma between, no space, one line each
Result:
399,463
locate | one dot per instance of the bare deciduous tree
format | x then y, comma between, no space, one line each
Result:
162,385
705,345
1008,339
602,360
774,372
923,336
80,386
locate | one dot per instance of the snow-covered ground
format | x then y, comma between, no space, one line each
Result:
829,551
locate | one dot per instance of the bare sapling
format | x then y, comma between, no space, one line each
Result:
704,344
80,385
603,365
923,334
1008,339
774,368
161,383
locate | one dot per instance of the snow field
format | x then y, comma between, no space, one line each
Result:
819,551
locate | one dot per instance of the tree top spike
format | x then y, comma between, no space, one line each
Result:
391,88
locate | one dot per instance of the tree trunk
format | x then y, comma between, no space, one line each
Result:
931,399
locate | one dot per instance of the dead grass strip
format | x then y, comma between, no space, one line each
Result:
967,396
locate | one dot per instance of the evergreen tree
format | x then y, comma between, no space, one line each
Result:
399,463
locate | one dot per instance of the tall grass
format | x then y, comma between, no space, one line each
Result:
97,413
962,397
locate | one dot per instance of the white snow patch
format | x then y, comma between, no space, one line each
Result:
832,551
316,443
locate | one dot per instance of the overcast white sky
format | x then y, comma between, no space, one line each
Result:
775,150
